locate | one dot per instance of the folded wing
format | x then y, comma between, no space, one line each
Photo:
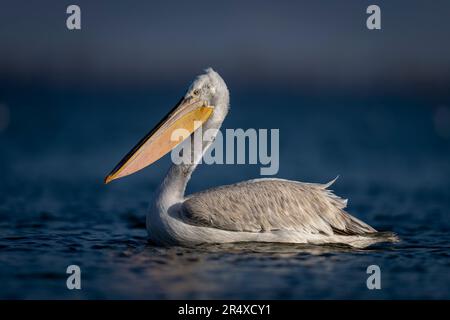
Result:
266,205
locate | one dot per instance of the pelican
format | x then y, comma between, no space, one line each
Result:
260,210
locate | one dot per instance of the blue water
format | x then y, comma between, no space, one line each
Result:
391,153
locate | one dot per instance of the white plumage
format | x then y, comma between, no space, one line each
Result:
261,210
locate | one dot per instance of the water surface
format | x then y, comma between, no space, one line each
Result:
391,155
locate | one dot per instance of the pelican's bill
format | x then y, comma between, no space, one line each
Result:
188,114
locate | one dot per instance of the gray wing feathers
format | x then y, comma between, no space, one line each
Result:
271,204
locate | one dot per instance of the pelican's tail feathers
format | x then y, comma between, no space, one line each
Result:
385,236
369,239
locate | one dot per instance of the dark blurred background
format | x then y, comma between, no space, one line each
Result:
372,106
311,46
136,58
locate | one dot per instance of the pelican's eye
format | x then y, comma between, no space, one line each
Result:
196,92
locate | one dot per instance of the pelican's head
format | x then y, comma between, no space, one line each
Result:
211,88
206,100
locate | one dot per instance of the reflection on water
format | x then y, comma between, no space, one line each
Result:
54,210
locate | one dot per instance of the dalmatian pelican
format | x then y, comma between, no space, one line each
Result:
260,210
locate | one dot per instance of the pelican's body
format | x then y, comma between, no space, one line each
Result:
260,210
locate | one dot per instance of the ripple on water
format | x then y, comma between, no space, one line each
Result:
118,261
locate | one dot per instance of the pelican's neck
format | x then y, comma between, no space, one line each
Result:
173,187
